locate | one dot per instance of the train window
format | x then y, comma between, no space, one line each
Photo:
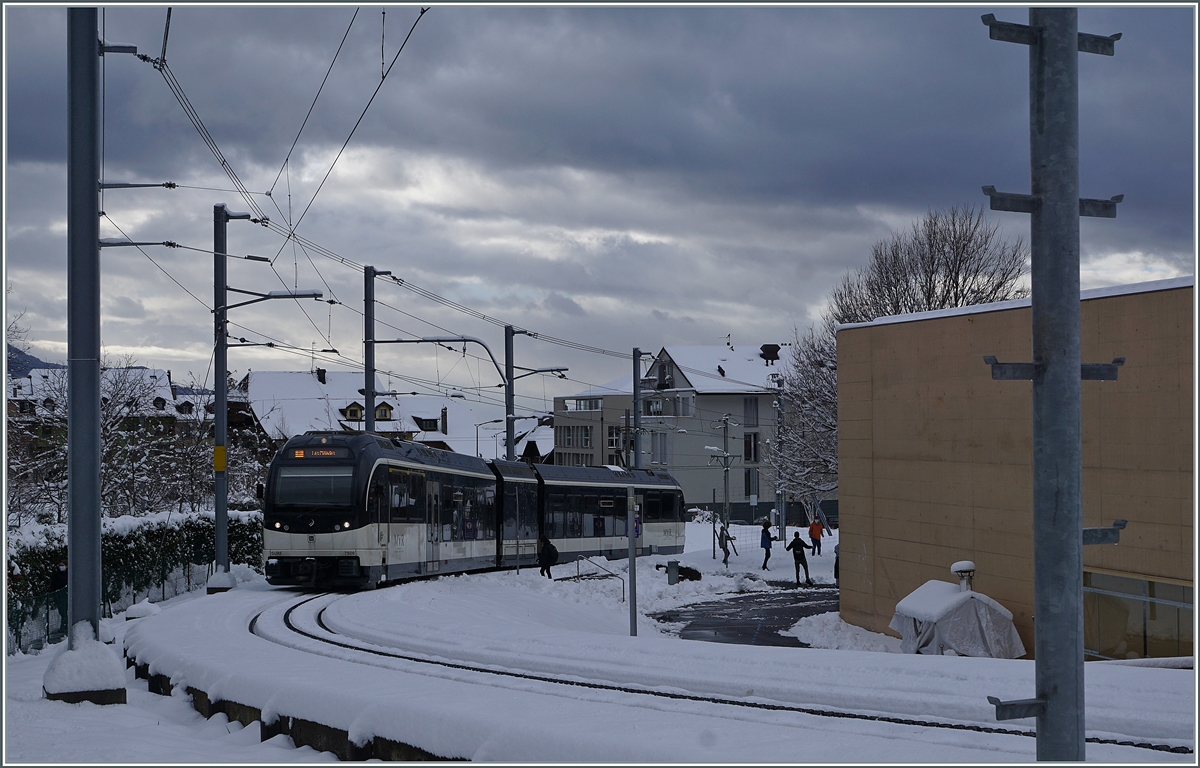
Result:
670,507
527,511
377,497
470,512
556,516
652,507
574,516
593,524
487,514
315,486
510,512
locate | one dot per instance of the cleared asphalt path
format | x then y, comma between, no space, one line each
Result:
753,619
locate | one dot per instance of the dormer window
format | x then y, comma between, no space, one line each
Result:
383,412
48,404
427,425
354,412
184,408
160,404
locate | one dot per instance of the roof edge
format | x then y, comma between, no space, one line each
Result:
1151,286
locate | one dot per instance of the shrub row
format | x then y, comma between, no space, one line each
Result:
138,558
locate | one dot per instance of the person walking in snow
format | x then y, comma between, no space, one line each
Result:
547,555
723,539
798,546
765,543
814,534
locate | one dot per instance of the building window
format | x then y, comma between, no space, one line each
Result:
426,425
652,407
750,447
683,405
160,404
615,460
614,437
586,404
1130,618
658,448
585,436
383,413
751,481
750,415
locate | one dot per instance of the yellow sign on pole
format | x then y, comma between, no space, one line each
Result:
218,458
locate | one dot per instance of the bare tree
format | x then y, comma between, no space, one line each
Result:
948,259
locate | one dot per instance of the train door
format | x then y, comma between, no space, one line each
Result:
433,525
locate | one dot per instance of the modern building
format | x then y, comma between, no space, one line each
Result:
935,463
697,404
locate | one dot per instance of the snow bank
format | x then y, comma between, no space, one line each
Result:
89,666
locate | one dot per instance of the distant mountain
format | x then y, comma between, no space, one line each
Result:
21,363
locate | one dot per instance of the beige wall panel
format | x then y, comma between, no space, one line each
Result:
944,452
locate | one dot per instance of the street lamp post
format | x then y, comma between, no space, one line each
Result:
477,426
221,581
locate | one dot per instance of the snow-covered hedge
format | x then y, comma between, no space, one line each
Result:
136,553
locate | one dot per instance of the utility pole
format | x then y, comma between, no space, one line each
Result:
222,581
509,395
221,218
1055,207
369,274
630,524
83,323
722,454
637,408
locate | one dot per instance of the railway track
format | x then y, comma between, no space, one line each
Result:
301,625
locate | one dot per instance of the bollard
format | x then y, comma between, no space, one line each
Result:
672,571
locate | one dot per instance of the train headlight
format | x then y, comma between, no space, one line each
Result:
346,525
278,524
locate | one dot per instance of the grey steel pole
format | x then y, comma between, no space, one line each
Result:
637,408
221,397
83,322
726,459
630,518
369,346
509,398
714,523
1057,453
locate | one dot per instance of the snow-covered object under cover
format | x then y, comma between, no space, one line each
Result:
138,610
937,617
89,666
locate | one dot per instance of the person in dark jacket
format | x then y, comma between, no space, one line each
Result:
547,555
723,538
765,543
798,546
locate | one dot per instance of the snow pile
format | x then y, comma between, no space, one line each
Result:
144,608
89,666
827,630
937,617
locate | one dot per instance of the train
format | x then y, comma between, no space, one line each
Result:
358,510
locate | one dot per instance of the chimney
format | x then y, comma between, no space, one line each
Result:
444,422
321,375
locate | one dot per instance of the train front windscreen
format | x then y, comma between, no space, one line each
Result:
315,486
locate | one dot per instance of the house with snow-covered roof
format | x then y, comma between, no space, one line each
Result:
685,393
289,403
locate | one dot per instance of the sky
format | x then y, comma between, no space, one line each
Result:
615,177
563,629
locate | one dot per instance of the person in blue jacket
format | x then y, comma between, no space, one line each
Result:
765,543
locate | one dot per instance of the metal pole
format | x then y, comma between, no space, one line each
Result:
780,501
369,347
1057,454
626,442
509,408
83,322
220,399
726,460
714,523
637,408
630,499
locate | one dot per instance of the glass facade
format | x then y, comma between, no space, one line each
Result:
1125,617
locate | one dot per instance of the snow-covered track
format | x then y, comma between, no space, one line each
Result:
301,624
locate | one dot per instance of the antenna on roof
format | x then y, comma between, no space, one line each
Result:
729,342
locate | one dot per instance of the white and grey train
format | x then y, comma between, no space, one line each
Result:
358,510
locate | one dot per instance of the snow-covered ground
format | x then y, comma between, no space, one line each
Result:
575,629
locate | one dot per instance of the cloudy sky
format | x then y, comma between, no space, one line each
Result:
610,176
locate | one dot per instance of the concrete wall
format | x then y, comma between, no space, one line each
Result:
935,456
